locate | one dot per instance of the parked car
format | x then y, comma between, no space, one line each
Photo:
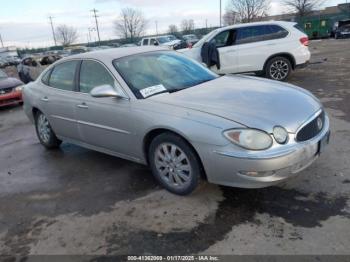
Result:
158,107
10,90
3,63
272,49
166,40
13,60
128,45
190,39
342,32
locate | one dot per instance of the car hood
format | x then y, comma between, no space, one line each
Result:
9,82
249,101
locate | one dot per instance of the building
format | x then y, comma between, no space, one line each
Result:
320,23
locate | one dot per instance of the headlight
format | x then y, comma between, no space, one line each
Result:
249,138
280,134
18,88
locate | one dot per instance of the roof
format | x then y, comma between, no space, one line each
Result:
114,53
257,23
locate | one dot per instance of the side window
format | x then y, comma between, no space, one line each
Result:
153,41
224,38
276,32
251,34
63,76
45,78
93,74
145,41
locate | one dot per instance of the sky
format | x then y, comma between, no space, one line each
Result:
25,23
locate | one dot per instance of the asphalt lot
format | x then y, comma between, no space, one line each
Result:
77,201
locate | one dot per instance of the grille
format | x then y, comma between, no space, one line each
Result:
312,129
5,90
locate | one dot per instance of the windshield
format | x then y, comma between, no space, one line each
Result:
205,38
163,39
171,37
152,73
2,74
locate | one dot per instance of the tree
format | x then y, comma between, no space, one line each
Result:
230,17
187,26
173,29
303,7
248,10
132,24
66,35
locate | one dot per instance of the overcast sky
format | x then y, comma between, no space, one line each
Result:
25,23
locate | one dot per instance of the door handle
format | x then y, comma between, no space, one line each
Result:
45,99
83,105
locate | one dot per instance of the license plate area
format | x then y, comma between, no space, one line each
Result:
323,143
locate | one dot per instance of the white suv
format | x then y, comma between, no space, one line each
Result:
272,48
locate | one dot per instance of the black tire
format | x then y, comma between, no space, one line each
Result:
52,142
278,68
195,165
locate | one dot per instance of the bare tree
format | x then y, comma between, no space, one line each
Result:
66,35
248,10
303,7
132,23
173,29
187,26
230,17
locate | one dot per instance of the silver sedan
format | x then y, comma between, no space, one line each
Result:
159,108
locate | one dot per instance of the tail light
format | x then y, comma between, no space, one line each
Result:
304,41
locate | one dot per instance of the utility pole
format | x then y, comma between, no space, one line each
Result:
220,13
53,30
2,43
156,27
98,31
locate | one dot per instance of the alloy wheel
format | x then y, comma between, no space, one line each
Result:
173,165
44,128
279,70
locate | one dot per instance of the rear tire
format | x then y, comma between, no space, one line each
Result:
278,68
174,164
45,133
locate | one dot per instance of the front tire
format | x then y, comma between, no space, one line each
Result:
174,164
278,68
45,133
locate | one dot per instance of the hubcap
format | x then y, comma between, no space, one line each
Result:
279,70
173,165
43,128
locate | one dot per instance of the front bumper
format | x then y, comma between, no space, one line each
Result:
256,169
11,98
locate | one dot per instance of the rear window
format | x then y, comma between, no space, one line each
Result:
298,27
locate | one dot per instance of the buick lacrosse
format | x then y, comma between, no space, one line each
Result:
158,107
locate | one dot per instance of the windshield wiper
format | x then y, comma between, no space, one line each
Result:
167,91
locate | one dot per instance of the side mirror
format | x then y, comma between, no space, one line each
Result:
156,43
106,91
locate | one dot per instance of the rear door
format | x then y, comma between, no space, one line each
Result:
227,51
255,44
59,99
103,122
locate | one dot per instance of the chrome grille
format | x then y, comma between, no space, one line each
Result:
311,129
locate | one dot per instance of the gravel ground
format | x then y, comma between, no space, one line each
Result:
77,201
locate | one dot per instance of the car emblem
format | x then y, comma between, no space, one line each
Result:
319,123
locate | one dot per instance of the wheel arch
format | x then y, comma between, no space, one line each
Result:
289,56
148,138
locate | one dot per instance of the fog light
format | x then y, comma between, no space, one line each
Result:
257,174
